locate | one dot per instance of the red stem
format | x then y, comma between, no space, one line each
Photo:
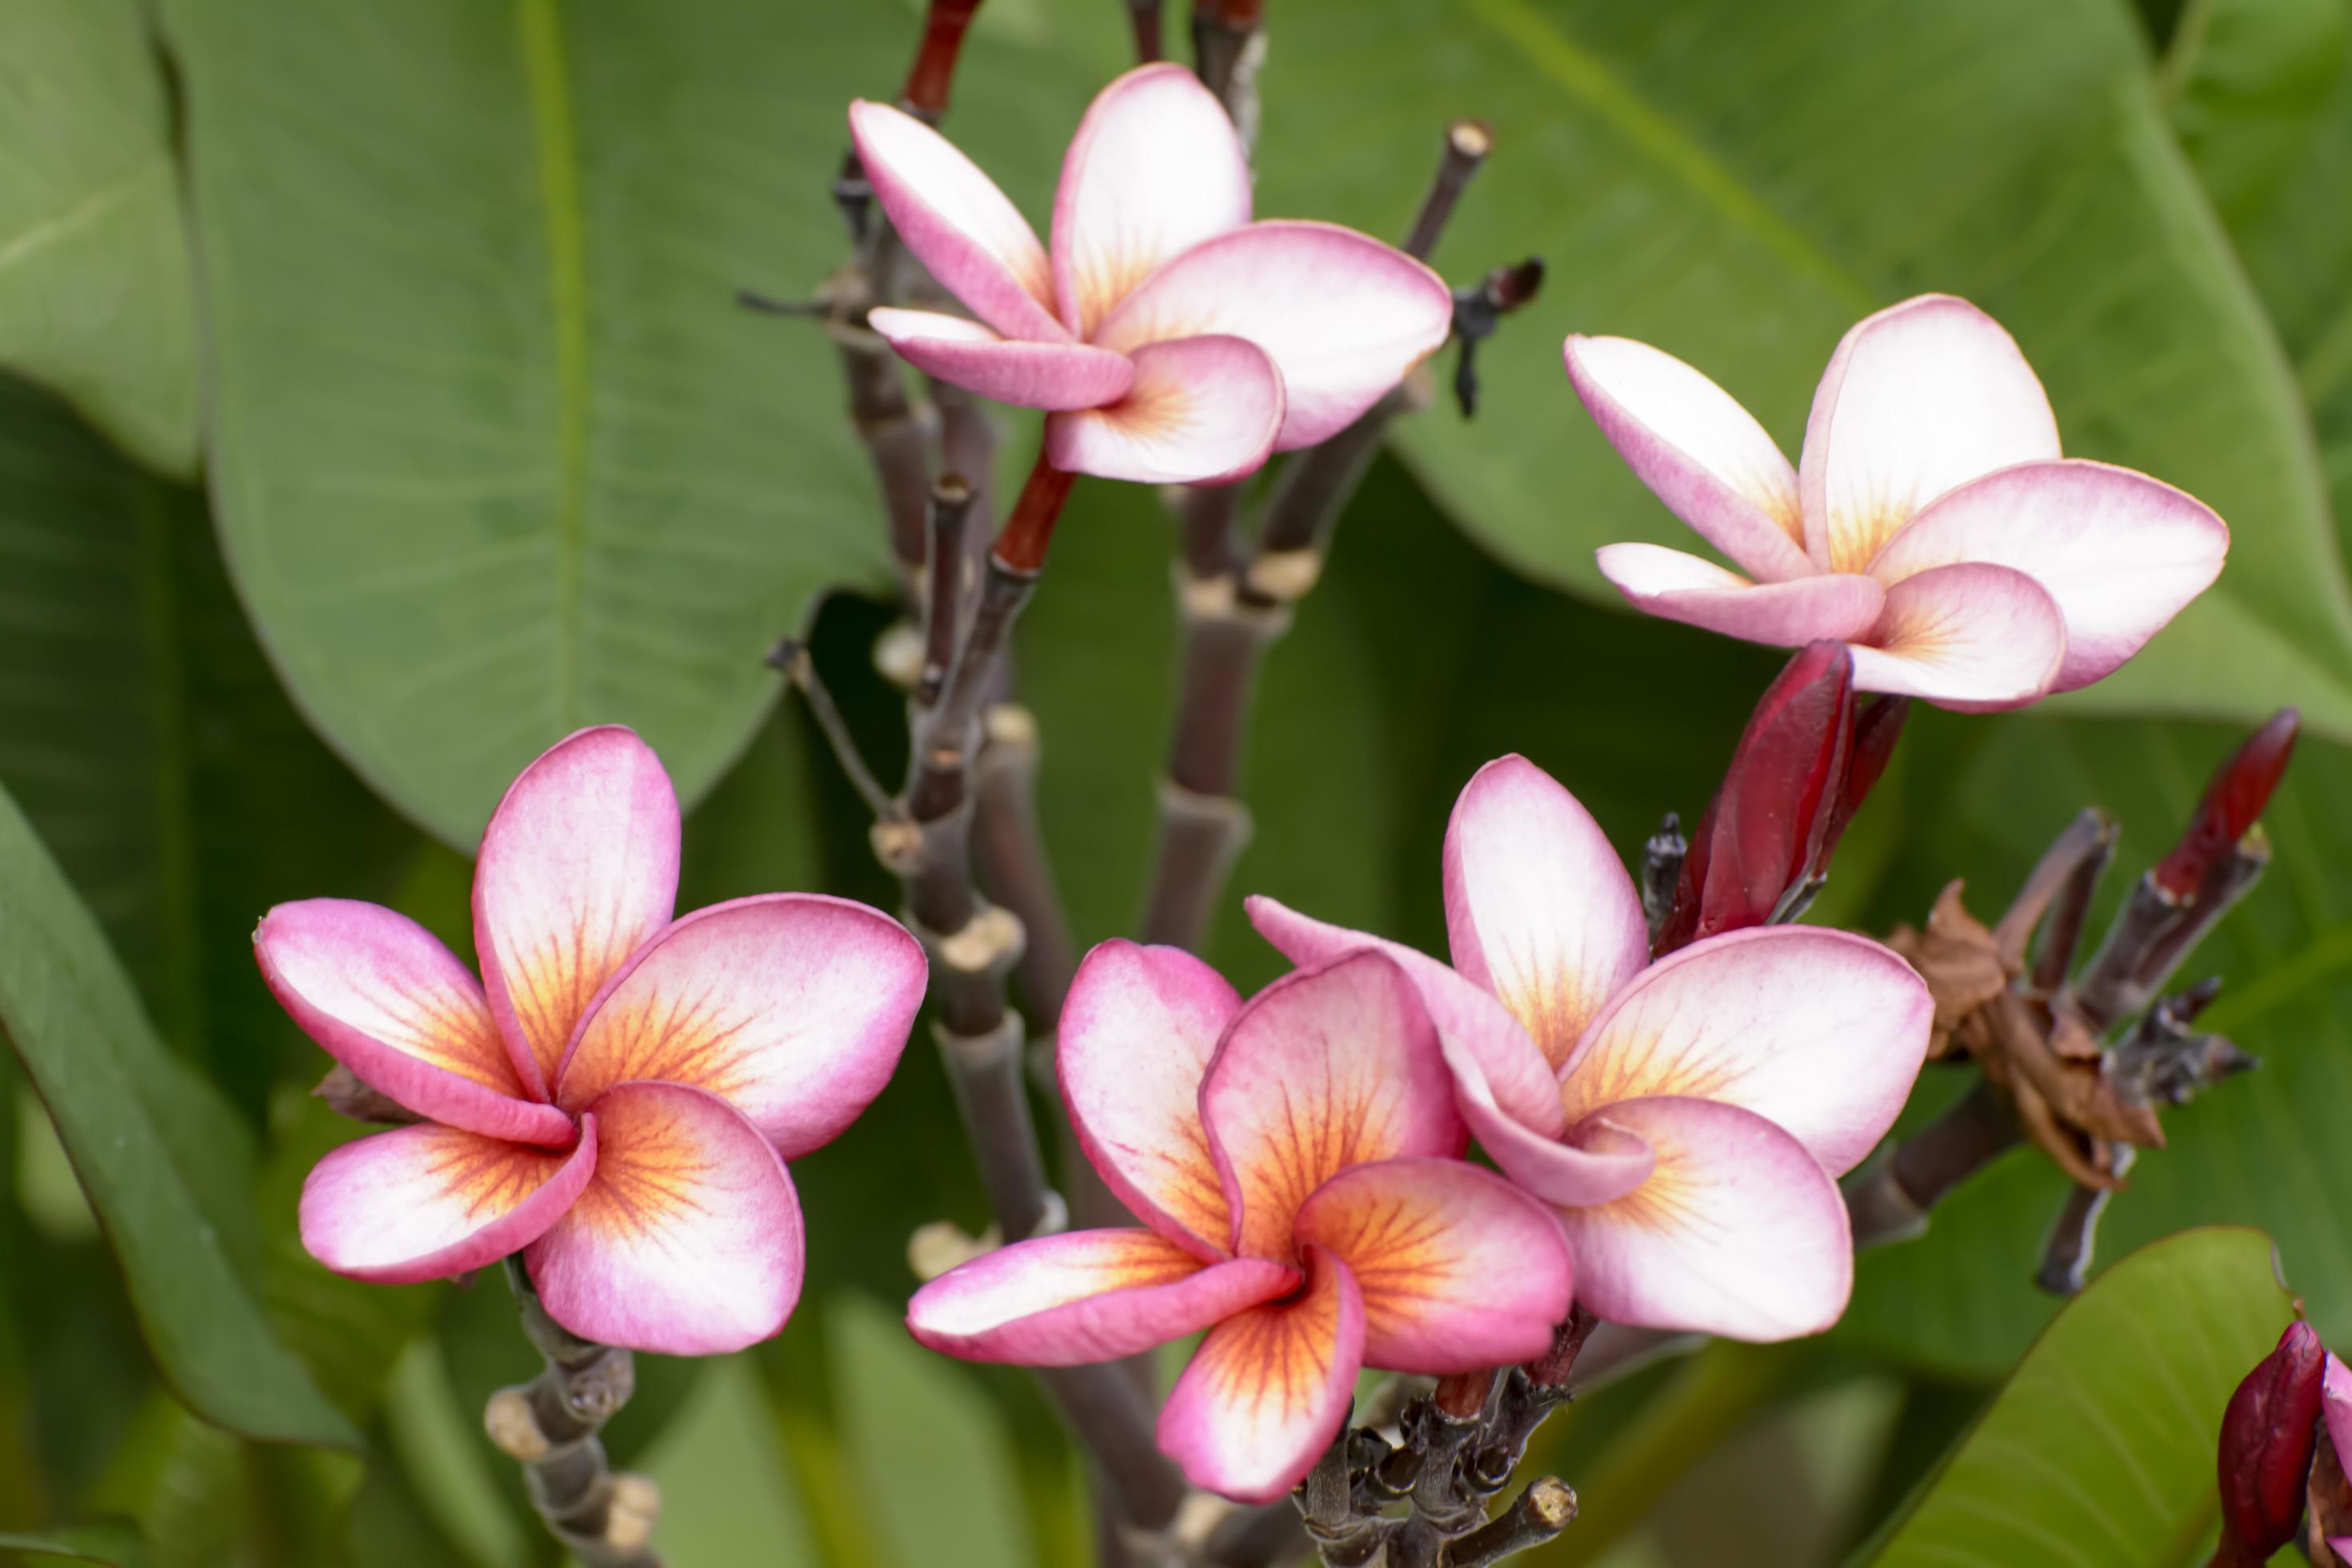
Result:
1030,529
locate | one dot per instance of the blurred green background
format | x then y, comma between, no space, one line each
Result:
376,410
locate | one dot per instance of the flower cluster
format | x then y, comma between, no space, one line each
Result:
616,1098
1668,1137
1171,339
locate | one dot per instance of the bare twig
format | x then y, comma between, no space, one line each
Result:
1228,46
1145,16
605,1518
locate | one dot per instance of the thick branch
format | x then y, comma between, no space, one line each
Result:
605,1518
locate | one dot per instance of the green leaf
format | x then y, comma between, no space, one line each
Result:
96,297
2263,103
2263,1149
147,740
2101,1447
1739,184
497,454
165,1162
118,1546
725,1500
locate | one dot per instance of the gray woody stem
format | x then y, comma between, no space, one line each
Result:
550,1425
1229,614
954,800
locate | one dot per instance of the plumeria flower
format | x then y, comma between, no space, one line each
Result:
1687,1118
617,1103
1171,339
1293,1162
1930,523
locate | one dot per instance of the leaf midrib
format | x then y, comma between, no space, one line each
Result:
546,72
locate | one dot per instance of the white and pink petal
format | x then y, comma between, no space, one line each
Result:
1324,1068
1458,1269
1024,373
1970,637
792,1007
1538,909
578,866
383,997
1200,411
1918,399
428,1202
1156,168
1269,1388
958,223
1821,1032
1135,1040
1739,1232
2120,553
686,1241
1697,450
1677,586
1085,1295
1344,317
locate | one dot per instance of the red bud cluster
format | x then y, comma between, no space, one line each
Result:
2268,1436
1804,765
2241,786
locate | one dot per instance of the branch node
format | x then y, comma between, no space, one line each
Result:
1286,576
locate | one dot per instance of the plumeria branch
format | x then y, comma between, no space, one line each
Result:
550,1424
969,799
1230,610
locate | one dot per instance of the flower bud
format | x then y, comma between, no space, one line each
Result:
1787,794
2268,1435
2241,787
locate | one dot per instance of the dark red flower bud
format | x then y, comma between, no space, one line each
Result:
2268,1435
1768,827
2241,786
1875,730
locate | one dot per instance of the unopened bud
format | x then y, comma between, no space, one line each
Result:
2268,1435
2241,787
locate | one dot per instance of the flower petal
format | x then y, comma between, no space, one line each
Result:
792,1007
1921,398
1739,1233
958,223
1343,317
687,1241
1026,375
1085,1295
578,868
1680,587
1156,168
1819,1032
2336,1409
1136,1037
2120,552
1324,1068
1480,1037
1970,637
1538,909
1699,451
1269,1388
427,1201
1458,1269
383,997
1201,411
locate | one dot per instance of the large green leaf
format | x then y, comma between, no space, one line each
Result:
2101,1447
2263,96
95,291
2264,1148
165,1162
144,735
496,453
117,1545
1738,182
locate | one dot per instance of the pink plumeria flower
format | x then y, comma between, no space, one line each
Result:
619,1106
1171,339
2336,1407
1931,524
1687,1118
1294,1161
